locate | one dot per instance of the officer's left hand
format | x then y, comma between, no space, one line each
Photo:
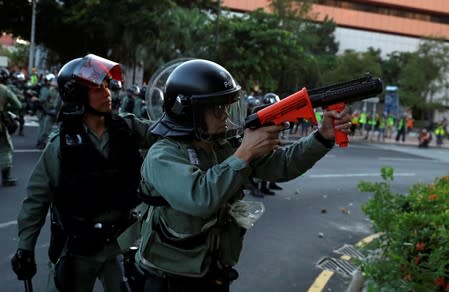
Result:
333,120
23,264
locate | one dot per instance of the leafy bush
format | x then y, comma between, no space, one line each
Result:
412,254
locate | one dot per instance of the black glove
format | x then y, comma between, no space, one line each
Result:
23,264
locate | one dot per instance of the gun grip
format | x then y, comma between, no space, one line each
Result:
341,138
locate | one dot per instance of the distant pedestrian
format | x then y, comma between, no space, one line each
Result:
439,134
401,128
424,138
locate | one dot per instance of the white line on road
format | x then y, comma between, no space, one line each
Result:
359,175
27,150
404,159
7,224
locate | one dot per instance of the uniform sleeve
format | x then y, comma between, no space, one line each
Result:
288,163
187,188
40,191
43,95
140,127
12,100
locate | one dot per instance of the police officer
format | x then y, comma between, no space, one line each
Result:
17,86
50,103
8,100
192,177
131,103
88,176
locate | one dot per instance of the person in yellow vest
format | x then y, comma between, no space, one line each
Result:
370,127
381,124
439,134
354,122
34,79
402,128
390,125
363,118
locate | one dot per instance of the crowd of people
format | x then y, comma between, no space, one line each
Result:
175,219
388,126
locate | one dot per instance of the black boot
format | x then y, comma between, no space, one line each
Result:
7,180
274,186
264,189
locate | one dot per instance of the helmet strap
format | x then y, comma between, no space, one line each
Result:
93,111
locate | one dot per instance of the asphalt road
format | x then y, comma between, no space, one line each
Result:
311,217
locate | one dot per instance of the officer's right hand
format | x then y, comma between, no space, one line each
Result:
23,264
258,142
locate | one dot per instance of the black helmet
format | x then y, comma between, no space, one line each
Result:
69,89
76,76
270,98
4,75
189,88
134,90
143,91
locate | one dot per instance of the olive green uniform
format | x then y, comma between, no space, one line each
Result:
51,103
19,93
8,100
195,231
138,108
41,188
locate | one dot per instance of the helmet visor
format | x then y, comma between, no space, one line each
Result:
93,70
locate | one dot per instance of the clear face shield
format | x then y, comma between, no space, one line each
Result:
231,105
154,96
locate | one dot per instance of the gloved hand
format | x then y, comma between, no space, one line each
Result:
23,264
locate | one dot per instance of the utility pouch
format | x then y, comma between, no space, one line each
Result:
11,122
57,242
65,273
179,256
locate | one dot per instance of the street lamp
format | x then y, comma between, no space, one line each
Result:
33,28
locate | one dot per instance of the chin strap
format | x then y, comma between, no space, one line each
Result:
93,111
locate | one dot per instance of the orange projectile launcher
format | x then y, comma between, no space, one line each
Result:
300,104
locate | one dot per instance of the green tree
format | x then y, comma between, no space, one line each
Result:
353,64
15,18
258,51
424,78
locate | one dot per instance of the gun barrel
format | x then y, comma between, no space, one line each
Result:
346,92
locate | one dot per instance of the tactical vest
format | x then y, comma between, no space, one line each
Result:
177,243
91,184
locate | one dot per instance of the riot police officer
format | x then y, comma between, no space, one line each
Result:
88,176
132,103
50,103
192,236
17,86
8,100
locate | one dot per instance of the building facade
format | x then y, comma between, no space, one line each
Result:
387,25
382,24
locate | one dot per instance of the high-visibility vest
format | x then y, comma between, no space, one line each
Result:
363,118
439,131
390,121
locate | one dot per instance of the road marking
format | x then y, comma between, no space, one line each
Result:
374,174
321,281
27,150
405,159
7,224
